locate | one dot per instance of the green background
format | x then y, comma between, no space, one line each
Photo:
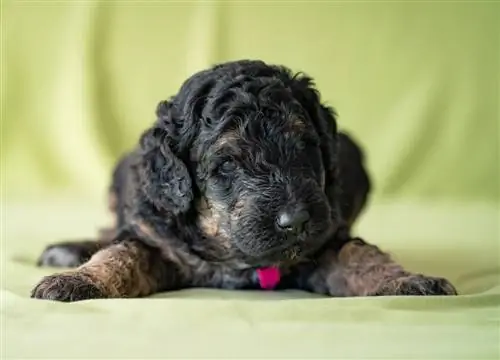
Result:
417,83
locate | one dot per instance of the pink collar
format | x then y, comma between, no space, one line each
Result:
269,277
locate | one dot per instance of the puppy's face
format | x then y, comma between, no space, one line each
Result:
262,182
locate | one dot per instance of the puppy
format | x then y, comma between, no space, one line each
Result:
243,182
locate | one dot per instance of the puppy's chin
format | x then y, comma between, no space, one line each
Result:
285,257
270,255
285,254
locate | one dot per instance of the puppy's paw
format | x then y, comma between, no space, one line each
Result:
416,284
67,287
68,255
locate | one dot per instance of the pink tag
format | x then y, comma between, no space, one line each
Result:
269,277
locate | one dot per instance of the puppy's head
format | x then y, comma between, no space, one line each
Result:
247,149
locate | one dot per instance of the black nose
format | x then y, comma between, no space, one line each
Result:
292,221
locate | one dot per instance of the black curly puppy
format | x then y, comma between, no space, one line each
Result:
243,182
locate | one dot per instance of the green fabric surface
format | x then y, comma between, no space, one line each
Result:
416,82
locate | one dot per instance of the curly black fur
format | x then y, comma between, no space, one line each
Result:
240,151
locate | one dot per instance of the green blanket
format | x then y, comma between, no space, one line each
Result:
417,83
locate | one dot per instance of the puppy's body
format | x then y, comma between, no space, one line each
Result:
244,169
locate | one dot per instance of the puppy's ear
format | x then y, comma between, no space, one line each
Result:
347,183
324,120
325,123
164,177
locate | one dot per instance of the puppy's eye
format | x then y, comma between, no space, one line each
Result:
301,145
307,142
227,167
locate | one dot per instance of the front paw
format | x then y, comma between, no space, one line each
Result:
67,287
415,284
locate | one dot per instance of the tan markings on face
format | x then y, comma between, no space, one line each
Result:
210,216
297,125
238,208
294,127
291,254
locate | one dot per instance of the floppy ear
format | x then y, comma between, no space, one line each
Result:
347,183
325,123
326,126
164,177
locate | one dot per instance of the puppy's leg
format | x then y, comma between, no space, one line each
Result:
73,253
121,270
361,269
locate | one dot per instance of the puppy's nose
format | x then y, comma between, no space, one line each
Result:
292,221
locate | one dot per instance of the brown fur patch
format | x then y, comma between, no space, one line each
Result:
358,270
208,221
126,269
297,125
210,216
121,270
361,269
366,267
291,254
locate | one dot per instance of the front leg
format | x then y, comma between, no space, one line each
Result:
361,269
122,270
71,254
